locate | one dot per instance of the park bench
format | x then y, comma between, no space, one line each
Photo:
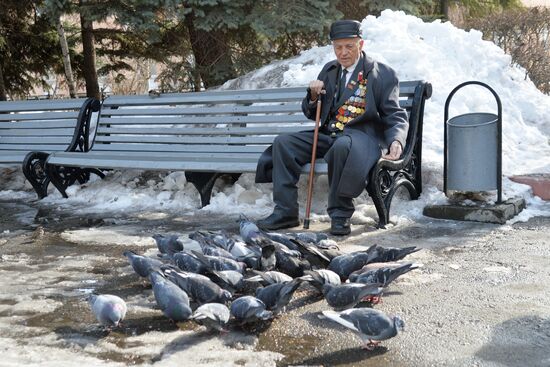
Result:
215,133
31,130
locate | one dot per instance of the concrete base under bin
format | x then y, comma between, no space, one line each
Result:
496,213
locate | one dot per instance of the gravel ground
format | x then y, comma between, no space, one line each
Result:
482,298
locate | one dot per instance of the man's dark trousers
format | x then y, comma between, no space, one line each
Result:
292,151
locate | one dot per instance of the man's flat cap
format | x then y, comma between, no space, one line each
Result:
345,29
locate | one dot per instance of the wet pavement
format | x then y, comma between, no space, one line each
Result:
51,259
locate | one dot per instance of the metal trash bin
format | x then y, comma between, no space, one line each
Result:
473,149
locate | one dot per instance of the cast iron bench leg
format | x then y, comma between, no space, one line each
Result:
383,185
34,171
63,177
204,182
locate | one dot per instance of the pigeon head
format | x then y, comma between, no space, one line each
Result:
91,298
399,323
226,296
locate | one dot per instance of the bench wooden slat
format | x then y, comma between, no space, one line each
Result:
268,130
161,156
241,96
146,120
35,132
114,147
207,110
33,140
200,165
41,116
46,105
38,147
37,124
184,139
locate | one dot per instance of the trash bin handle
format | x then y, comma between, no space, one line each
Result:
448,101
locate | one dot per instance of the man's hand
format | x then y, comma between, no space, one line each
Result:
394,152
316,88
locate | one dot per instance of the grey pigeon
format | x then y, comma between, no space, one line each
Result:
188,261
291,265
212,315
220,263
371,325
386,254
318,278
249,231
383,276
269,277
219,239
376,266
345,296
277,296
248,309
109,310
168,244
310,237
229,280
142,265
171,299
345,264
200,288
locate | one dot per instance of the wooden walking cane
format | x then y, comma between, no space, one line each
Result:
312,168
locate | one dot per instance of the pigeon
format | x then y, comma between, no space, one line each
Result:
383,276
269,277
220,263
208,247
376,266
212,315
109,310
386,254
291,265
344,265
309,237
345,296
200,288
168,244
188,261
219,239
268,257
277,296
372,325
171,299
320,277
229,280
249,231
248,309
142,265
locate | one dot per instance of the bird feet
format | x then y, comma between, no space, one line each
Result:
370,345
372,299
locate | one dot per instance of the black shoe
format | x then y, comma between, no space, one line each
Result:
278,221
340,226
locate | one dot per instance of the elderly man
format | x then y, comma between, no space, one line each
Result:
360,117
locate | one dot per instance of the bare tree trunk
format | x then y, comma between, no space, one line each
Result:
3,94
66,59
444,8
88,49
212,55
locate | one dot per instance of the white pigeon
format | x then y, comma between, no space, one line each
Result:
108,309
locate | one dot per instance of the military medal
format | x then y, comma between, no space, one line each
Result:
355,105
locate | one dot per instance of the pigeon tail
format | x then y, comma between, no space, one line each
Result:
335,316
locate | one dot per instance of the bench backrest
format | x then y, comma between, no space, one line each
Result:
238,122
45,125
